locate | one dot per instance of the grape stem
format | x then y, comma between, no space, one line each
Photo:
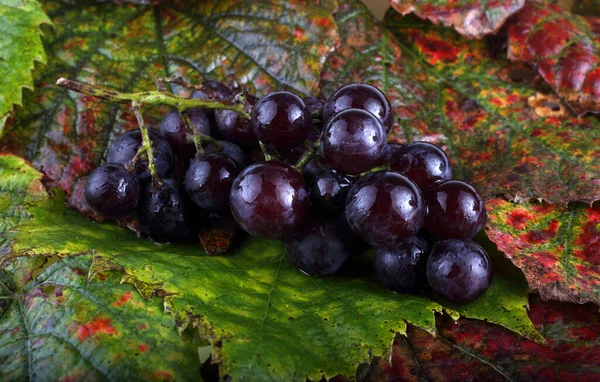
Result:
268,157
152,98
304,159
146,143
197,137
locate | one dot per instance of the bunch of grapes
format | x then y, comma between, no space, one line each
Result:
335,186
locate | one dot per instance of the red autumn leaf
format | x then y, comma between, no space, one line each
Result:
476,350
471,18
557,248
489,115
564,48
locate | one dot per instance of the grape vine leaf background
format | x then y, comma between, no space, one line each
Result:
458,93
20,48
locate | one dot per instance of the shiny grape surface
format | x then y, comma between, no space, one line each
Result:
112,191
421,162
208,181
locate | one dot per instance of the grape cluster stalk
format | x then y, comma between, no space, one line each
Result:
318,174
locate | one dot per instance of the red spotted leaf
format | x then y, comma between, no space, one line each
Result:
475,350
500,132
565,49
557,248
471,18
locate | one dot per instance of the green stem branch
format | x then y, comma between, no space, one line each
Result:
152,98
146,142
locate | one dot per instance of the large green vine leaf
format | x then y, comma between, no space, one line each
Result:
264,45
20,48
59,325
264,318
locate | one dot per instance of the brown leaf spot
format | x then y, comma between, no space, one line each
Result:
547,105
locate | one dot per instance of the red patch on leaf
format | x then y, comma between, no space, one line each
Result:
163,374
437,50
99,325
519,218
589,239
539,237
143,348
123,299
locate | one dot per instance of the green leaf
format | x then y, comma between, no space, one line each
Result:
19,184
62,327
263,316
20,48
263,45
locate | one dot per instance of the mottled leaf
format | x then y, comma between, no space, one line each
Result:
263,316
475,350
63,327
20,47
19,184
482,110
471,18
557,248
565,49
264,45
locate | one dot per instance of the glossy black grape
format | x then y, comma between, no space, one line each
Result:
360,96
385,208
269,200
112,191
328,191
402,268
353,141
173,128
319,248
455,210
127,145
313,168
281,120
208,181
235,128
421,162
161,212
229,149
459,270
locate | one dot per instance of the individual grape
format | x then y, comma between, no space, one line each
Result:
269,200
421,162
455,210
313,168
127,145
360,96
112,191
231,150
217,90
328,191
235,128
353,141
385,208
402,268
161,212
199,94
459,270
281,120
208,181
174,130
319,248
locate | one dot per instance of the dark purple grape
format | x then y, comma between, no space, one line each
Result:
174,130
319,248
161,212
313,168
459,270
385,208
235,128
281,120
269,200
328,191
112,191
217,90
360,96
353,141
199,94
231,150
402,268
314,104
127,145
456,210
208,181
421,162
